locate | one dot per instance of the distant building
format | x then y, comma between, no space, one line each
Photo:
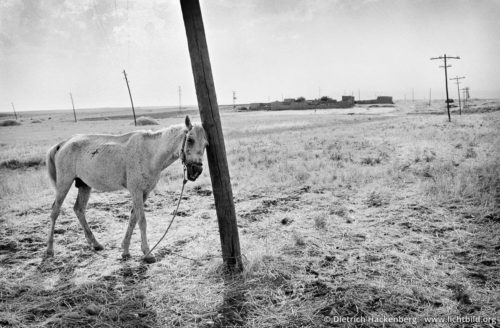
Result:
379,100
301,103
256,106
348,99
384,100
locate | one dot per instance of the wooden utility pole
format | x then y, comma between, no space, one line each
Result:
466,96
72,104
180,98
14,109
130,94
446,79
458,88
465,99
210,118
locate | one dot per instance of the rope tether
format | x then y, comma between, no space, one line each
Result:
184,181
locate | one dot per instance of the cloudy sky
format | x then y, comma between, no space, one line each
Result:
262,49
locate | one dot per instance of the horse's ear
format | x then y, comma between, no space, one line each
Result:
188,123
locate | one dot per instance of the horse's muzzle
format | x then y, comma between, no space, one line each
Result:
194,170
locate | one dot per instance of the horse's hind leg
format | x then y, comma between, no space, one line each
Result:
62,189
79,208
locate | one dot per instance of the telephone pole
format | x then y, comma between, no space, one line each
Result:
72,104
210,120
446,79
458,88
180,98
130,94
14,109
466,96
430,90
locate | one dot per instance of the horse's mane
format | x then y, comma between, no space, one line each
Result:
159,133
154,134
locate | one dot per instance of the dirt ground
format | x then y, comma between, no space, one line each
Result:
368,217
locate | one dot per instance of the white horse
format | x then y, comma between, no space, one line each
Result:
111,162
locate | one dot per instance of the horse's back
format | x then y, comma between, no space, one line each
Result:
98,160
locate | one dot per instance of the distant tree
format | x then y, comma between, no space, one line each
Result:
325,98
300,99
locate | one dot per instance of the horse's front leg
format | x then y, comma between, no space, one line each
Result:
130,230
149,258
138,215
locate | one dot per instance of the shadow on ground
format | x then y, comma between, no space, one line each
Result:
114,300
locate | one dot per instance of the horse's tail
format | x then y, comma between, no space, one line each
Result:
51,165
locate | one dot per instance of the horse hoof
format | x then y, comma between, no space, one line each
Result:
126,256
49,253
99,247
150,259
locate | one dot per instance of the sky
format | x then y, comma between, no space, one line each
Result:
264,50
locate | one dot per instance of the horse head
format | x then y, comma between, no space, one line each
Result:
193,149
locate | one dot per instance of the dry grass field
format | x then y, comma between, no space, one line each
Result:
360,213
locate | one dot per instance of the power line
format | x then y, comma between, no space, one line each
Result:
446,79
458,88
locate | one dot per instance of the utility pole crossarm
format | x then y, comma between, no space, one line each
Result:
447,57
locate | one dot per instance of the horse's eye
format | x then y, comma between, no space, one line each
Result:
190,141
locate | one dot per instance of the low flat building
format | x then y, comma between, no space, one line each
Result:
380,100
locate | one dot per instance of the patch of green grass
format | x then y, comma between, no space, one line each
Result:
320,223
14,164
20,184
470,153
376,199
